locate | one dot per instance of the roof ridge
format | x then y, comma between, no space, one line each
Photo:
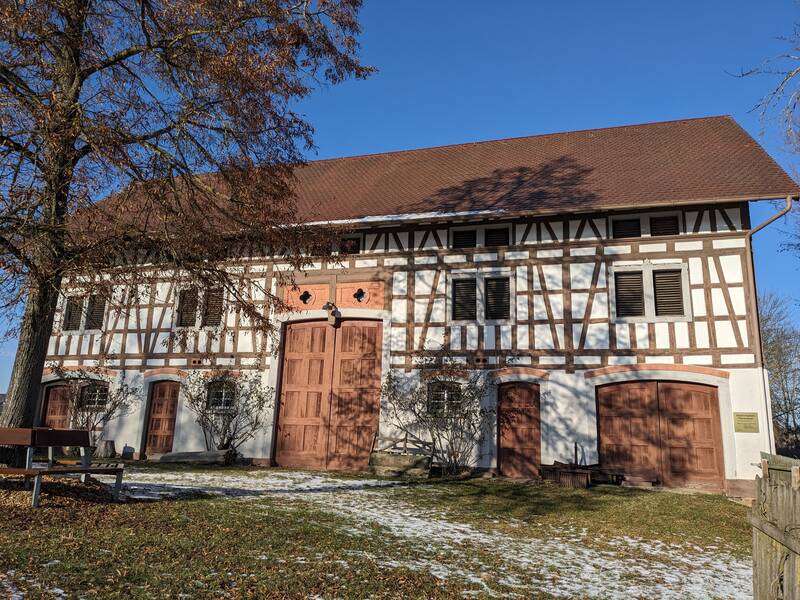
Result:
519,137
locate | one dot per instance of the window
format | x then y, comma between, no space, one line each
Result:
221,395
72,313
496,237
465,238
626,228
667,225
94,396
350,245
95,311
498,298
629,294
212,307
187,307
668,292
465,300
443,398
651,291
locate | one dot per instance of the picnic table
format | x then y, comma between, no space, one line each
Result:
45,437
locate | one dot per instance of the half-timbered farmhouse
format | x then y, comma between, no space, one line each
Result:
603,279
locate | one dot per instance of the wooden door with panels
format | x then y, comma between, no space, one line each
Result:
329,395
161,422
662,432
519,439
56,407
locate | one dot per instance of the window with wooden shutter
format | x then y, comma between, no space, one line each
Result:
498,298
496,237
95,311
668,225
72,313
187,307
465,238
465,300
668,292
626,228
212,309
629,294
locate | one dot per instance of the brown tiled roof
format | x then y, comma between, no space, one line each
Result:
659,164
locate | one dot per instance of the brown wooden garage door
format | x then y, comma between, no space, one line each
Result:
665,432
330,395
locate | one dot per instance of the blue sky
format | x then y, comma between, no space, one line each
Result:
457,71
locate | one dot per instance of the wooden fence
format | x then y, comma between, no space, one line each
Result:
775,518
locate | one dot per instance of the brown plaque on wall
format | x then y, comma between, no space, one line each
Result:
745,422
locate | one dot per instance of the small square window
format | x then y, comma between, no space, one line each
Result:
465,300
496,237
94,396
465,238
221,395
626,228
668,225
498,298
350,245
443,398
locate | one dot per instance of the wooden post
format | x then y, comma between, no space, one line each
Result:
765,468
796,478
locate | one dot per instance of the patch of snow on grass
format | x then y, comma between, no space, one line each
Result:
563,562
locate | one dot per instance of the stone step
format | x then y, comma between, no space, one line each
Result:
395,472
399,461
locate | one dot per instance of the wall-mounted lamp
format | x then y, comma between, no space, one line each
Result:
333,312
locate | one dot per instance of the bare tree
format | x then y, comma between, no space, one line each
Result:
229,406
181,110
781,342
446,404
92,402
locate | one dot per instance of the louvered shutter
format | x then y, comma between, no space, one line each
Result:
212,311
187,307
498,298
496,237
72,313
95,311
629,294
465,238
668,289
664,225
626,228
465,305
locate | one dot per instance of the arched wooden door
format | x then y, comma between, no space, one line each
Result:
161,423
519,439
329,395
56,407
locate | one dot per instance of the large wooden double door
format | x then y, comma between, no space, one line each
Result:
329,395
662,432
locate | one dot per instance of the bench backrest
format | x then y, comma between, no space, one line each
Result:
43,436
16,437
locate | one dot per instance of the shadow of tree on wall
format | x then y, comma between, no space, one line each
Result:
550,184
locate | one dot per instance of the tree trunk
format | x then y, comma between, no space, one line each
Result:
19,409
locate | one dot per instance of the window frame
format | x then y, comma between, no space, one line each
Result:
448,386
480,236
647,267
644,224
480,276
359,237
95,407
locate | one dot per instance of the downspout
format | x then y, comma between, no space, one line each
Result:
749,240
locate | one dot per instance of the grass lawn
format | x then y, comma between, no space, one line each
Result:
289,534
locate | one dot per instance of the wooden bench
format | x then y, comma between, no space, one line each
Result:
42,437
